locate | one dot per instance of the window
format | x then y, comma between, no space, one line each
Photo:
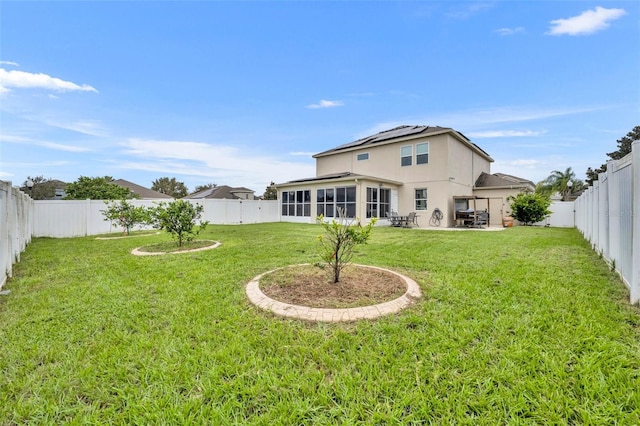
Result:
325,202
422,153
364,156
378,202
372,202
421,199
346,198
296,203
329,199
406,152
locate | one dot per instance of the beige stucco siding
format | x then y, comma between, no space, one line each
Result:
460,163
337,163
361,196
384,161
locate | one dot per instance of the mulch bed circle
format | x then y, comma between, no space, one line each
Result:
312,286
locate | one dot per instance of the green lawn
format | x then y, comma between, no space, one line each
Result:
524,326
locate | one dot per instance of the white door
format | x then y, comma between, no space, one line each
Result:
394,200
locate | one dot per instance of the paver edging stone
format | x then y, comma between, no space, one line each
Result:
261,300
136,251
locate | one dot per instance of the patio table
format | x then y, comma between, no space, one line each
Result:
403,221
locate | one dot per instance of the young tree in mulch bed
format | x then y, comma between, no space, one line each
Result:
125,214
179,219
340,239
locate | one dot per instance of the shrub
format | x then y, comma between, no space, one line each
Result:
529,208
340,239
179,219
125,214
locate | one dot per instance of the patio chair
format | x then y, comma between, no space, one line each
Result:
411,220
393,218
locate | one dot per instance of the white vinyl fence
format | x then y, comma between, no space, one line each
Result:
79,218
562,215
15,227
21,218
608,215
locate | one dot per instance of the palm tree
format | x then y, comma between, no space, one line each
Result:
563,182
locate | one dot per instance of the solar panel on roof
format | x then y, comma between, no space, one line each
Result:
396,132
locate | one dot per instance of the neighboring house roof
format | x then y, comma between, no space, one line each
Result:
501,181
336,177
141,191
221,192
402,133
58,184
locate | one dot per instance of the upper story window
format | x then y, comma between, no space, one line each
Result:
422,153
363,156
406,152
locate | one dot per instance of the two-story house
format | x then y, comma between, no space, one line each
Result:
405,169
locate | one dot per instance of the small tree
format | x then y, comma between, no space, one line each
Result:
529,208
179,219
270,193
41,188
125,214
170,187
96,188
340,239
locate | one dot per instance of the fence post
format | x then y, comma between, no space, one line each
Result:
595,236
634,282
603,214
614,212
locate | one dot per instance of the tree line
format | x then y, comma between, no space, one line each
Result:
624,148
104,188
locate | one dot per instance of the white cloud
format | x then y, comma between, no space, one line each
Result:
63,147
219,163
325,104
470,119
13,139
13,64
509,31
27,80
35,166
587,22
537,168
474,120
86,127
533,169
45,144
528,163
302,154
504,134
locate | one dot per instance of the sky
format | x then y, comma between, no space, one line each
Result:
243,93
